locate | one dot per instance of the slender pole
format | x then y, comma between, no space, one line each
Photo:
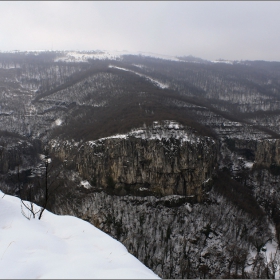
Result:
46,163
47,193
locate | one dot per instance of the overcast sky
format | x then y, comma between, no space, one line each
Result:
210,30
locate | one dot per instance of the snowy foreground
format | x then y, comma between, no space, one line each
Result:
60,247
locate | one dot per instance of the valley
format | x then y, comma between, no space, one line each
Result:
178,158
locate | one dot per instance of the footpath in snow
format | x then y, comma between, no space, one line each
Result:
60,247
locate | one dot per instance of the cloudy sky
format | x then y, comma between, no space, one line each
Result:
210,30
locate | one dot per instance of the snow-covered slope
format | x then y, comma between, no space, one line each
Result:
155,82
83,56
60,247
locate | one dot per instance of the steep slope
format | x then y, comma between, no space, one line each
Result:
60,247
164,159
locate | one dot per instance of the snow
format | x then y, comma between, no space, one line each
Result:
83,56
248,164
58,122
143,189
206,181
156,82
159,56
270,250
86,184
139,66
188,207
170,129
76,56
42,156
222,61
60,247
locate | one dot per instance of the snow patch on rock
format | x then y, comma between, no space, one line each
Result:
158,131
58,122
86,184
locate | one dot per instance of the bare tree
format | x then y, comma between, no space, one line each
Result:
272,265
28,208
26,205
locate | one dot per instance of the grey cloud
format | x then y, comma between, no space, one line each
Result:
210,30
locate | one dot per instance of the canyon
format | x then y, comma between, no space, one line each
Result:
178,160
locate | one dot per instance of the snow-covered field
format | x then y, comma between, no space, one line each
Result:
60,247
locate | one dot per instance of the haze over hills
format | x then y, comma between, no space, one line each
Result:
84,55
176,157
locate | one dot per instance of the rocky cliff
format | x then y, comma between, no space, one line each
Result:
165,159
263,151
268,152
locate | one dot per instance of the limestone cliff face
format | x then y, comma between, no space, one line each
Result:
268,152
163,160
264,153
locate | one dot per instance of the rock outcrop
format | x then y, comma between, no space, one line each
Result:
166,159
264,152
268,152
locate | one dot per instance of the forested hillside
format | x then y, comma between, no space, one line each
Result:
177,158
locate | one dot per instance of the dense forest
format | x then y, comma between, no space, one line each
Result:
178,159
